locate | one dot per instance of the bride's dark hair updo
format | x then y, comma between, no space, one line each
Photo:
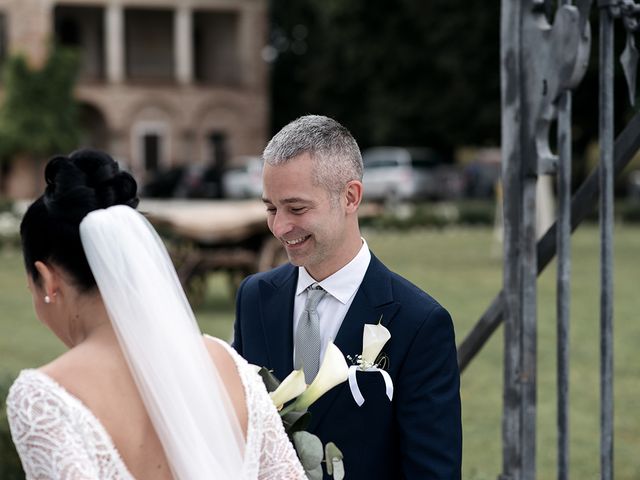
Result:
77,184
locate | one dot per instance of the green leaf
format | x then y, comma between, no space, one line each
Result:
269,379
338,469
296,421
314,474
309,449
333,456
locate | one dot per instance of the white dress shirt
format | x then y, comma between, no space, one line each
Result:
341,288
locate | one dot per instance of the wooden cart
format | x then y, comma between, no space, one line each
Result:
204,236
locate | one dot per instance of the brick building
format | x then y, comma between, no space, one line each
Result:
162,82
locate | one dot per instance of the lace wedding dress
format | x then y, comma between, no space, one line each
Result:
57,437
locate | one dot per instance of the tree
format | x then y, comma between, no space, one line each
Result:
408,72
39,115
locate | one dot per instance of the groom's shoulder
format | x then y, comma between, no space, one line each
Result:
418,309
275,276
405,292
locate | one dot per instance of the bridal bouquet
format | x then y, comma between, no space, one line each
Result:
293,397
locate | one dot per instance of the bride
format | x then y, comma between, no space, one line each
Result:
140,393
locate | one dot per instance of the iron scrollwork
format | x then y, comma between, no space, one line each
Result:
629,12
556,57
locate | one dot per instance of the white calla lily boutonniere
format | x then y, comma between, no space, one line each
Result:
374,338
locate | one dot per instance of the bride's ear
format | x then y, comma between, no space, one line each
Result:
49,280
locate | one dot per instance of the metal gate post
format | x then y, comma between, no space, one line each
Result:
606,237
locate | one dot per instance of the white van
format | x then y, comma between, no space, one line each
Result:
399,173
244,181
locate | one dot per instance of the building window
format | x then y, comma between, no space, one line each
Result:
216,47
82,28
149,45
218,149
217,160
150,149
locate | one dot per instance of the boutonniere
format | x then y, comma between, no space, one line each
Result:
374,337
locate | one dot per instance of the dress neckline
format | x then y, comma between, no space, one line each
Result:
79,404
121,465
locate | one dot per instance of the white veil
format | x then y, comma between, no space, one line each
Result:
179,384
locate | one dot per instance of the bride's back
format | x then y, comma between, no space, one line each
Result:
87,251
97,374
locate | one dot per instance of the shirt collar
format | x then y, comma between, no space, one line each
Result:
343,284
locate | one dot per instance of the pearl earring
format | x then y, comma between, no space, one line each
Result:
47,299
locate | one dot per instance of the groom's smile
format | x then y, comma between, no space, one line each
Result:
297,241
294,245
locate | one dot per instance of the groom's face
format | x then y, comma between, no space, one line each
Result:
304,217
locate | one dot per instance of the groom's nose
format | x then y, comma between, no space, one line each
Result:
280,224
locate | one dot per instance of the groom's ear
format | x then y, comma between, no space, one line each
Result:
353,195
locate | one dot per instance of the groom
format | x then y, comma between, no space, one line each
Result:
334,286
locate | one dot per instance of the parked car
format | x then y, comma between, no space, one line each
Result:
483,173
200,181
184,181
244,181
400,173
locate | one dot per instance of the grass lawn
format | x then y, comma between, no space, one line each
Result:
458,268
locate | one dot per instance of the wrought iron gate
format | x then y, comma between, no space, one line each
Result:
541,62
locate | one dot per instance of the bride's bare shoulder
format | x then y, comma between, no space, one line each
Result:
68,366
223,358
219,351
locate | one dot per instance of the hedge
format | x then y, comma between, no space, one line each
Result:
438,215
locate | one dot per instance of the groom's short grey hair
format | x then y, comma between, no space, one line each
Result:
333,150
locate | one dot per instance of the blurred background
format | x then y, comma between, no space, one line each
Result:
185,95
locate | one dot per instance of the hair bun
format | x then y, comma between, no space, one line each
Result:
85,181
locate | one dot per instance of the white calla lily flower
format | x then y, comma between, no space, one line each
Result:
290,388
373,339
333,371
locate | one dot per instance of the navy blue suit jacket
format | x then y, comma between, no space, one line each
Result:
416,436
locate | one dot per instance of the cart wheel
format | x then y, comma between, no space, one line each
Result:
272,254
193,277
196,289
235,279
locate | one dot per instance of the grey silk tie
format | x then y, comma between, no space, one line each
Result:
308,335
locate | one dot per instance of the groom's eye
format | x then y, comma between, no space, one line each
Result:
298,210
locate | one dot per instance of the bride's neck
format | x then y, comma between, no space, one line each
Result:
99,333
90,322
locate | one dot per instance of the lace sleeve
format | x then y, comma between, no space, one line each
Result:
45,434
270,453
278,458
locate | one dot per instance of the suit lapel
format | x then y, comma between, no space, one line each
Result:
373,300
277,298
